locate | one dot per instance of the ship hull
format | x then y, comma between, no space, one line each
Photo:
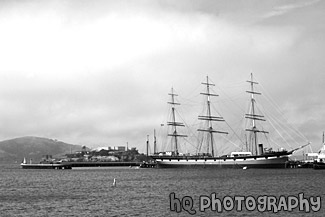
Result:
257,162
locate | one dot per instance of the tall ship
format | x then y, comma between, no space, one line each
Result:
255,155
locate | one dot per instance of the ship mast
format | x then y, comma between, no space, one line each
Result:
154,142
174,123
209,118
254,117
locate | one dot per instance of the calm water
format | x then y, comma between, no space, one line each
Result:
145,192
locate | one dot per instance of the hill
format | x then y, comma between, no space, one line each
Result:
33,148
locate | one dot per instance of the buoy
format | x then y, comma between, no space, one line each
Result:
114,183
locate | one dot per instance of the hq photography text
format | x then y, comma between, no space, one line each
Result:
262,203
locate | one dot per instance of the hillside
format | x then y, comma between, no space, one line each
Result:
33,148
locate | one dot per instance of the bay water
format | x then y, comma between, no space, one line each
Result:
153,192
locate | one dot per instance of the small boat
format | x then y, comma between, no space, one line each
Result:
319,158
147,165
255,156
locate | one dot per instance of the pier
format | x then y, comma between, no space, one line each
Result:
102,164
70,165
57,166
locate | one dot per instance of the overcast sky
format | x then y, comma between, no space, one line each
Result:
98,73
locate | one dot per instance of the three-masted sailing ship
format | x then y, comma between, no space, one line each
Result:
255,157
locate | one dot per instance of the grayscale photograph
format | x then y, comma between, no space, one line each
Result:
162,108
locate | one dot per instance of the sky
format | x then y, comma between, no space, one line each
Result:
98,73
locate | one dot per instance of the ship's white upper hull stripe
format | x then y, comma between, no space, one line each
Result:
269,160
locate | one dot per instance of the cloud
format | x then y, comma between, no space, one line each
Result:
284,9
100,73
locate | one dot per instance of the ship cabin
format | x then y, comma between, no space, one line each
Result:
240,154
